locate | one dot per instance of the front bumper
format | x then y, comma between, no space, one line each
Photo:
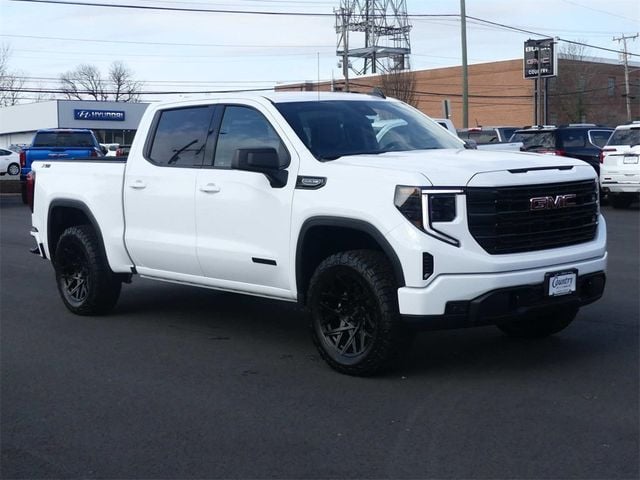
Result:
434,299
503,304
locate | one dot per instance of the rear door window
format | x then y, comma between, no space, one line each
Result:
180,137
573,138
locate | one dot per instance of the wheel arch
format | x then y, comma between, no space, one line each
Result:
65,213
322,236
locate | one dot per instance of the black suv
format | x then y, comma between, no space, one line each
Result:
582,141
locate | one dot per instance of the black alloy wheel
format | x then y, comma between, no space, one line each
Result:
348,322
85,282
355,323
74,273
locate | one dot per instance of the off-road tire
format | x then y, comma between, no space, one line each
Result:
85,282
354,292
23,192
539,326
621,201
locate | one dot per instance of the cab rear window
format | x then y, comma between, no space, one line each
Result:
627,136
63,139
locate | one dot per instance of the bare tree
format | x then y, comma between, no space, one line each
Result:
86,82
400,84
126,89
11,83
571,91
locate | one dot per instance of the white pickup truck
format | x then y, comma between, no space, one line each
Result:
296,197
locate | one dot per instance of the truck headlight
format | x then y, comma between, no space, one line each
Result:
425,206
409,201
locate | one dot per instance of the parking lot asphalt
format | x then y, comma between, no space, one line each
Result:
182,382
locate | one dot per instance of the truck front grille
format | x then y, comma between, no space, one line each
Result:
501,219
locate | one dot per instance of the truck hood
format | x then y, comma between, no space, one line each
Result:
456,167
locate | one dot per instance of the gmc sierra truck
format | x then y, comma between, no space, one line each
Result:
359,207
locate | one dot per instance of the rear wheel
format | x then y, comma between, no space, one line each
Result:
355,320
14,169
620,200
539,326
85,282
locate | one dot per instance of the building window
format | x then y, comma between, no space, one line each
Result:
611,86
582,83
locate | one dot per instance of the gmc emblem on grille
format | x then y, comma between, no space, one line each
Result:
550,203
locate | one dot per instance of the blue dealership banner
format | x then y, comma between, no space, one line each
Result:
108,115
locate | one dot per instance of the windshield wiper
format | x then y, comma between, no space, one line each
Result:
174,158
350,154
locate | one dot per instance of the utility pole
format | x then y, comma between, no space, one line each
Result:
345,55
465,73
625,61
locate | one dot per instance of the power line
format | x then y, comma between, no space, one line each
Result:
172,44
306,14
202,10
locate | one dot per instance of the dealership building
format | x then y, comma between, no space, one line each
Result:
112,122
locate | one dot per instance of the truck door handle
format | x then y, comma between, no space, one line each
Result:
210,188
138,185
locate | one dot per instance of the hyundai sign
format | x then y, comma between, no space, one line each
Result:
99,115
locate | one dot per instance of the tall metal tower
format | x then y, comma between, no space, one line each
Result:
383,27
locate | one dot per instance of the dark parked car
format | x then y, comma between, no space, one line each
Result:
582,141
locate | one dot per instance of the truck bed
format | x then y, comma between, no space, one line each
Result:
94,183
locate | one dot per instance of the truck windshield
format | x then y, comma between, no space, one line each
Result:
63,139
333,129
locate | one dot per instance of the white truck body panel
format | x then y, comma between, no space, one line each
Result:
207,226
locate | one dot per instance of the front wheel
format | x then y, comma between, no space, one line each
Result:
539,326
85,282
355,323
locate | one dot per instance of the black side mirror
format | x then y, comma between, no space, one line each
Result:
262,160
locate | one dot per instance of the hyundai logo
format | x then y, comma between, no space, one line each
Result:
551,203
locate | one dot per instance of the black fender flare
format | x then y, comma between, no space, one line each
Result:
78,205
353,224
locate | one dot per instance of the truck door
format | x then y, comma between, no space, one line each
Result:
159,187
243,222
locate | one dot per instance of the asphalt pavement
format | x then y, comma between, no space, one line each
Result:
181,382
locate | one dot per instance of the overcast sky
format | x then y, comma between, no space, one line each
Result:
171,50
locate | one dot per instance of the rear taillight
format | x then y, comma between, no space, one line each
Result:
94,152
23,159
603,153
31,188
562,153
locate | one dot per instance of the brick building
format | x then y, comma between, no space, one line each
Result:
589,90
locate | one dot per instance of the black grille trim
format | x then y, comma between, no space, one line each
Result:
501,222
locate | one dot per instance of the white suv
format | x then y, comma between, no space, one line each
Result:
620,168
